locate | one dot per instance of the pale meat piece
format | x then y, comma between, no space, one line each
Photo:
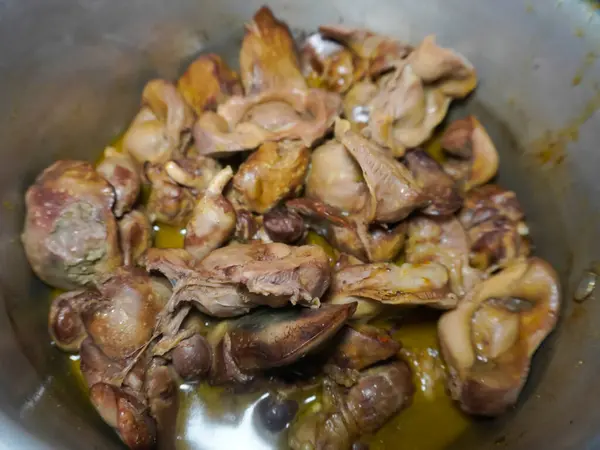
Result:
194,173
487,342
357,106
70,234
123,174
391,184
208,82
232,280
444,241
272,173
135,236
213,219
161,130
243,123
268,57
169,202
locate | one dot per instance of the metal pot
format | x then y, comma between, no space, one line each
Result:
72,73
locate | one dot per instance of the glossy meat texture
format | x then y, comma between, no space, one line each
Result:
374,285
443,240
379,394
472,157
268,57
213,219
328,64
70,234
442,193
394,190
376,243
243,123
135,236
357,107
124,176
283,225
194,173
343,188
169,202
161,130
208,82
495,225
238,351
232,280
487,342
272,173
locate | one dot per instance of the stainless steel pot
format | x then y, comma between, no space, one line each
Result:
71,74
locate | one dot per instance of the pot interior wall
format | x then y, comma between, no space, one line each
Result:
72,73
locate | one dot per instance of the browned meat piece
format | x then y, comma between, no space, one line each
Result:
169,202
64,320
195,173
343,188
124,176
380,52
246,226
232,280
473,159
208,82
489,339
243,123
375,243
161,130
375,285
268,57
284,225
272,173
125,320
443,241
135,236
356,348
70,234
443,194
394,189
329,65
379,394
213,220
494,222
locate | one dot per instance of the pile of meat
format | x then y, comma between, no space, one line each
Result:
331,135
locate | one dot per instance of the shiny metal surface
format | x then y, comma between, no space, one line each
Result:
71,73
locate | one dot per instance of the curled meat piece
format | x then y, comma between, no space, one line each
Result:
268,57
443,241
378,51
375,285
161,130
329,65
283,225
404,113
473,158
375,243
243,123
232,280
195,173
135,236
124,176
125,320
489,339
443,68
380,393
443,195
272,173
393,188
213,220
343,188
168,202
70,234
208,82
494,222
64,319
